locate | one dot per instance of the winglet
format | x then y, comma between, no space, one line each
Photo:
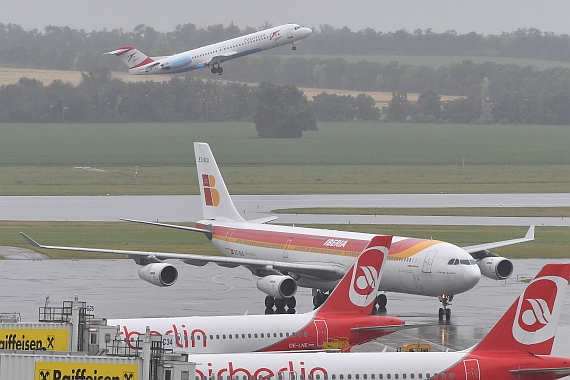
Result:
356,292
530,233
30,240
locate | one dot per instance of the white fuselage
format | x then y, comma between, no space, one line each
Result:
328,366
225,50
414,266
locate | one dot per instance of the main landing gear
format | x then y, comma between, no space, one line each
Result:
294,47
280,305
319,297
216,69
445,312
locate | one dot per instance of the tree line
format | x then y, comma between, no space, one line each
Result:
101,98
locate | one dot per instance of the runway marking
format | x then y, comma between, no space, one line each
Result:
230,287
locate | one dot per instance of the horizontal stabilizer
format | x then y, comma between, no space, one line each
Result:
119,51
388,328
185,228
263,220
542,371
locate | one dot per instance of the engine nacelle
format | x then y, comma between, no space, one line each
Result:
277,286
176,62
159,274
497,268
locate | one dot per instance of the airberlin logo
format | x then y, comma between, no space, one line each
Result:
211,195
364,282
538,309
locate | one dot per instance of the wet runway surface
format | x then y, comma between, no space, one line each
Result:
115,291
187,208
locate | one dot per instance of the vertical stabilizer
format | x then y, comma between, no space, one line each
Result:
131,56
216,200
356,292
530,323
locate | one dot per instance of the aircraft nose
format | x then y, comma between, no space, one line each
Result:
472,275
306,31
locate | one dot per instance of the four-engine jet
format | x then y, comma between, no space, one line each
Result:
285,257
212,55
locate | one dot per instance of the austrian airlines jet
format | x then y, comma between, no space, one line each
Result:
212,55
517,347
285,257
342,321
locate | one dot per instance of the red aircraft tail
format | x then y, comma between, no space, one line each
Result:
530,323
356,292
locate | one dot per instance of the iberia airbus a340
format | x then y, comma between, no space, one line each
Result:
285,257
341,322
212,55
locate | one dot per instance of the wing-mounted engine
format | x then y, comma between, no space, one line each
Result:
278,286
493,265
159,274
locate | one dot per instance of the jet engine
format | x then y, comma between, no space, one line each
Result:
159,274
176,62
277,286
495,267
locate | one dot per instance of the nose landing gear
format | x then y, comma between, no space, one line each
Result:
445,312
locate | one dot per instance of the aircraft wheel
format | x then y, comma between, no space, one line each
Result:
280,310
220,70
214,70
291,302
447,314
269,310
291,311
280,303
441,313
294,47
381,300
269,301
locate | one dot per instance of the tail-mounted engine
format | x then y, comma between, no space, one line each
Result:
159,274
277,286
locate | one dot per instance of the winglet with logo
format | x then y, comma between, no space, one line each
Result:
356,292
530,323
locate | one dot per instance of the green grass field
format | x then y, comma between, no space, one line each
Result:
444,61
551,242
339,158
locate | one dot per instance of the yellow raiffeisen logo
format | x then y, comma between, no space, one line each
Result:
34,339
85,371
211,195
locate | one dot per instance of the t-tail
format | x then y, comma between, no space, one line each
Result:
356,292
216,201
529,326
131,57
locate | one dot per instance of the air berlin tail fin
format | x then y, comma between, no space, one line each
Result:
356,292
530,323
216,200
131,56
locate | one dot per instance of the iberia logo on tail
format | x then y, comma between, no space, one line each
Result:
211,195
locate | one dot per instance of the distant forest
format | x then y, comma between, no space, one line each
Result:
493,92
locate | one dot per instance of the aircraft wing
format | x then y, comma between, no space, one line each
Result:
221,58
483,247
320,270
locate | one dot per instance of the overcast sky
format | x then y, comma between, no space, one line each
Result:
481,16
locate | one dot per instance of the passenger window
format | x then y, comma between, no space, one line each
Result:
262,335
255,335
364,376
217,337
211,337
287,334
224,336
451,376
198,337
281,335
306,333
333,377
249,336
243,336
396,376
349,376
230,336
388,376
275,335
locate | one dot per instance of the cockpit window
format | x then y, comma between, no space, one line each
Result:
454,262
297,27
450,262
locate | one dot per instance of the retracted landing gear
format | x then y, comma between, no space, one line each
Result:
280,305
445,312
216,69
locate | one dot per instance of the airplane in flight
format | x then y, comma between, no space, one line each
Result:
285,257
342,321
212,55
519,346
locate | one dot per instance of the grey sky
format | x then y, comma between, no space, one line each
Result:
481,16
